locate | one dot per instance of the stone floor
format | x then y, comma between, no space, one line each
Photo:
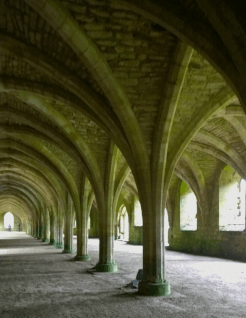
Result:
36,280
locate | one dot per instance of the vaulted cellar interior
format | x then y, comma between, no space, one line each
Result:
125,120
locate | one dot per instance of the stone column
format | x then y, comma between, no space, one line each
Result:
107,225
28,228
2,222
33,225
46,226
41,228
82,237
36,227
154,282
68,239
82,224
52,228
59,232
94,228
200,220
106,249
33,229
214,213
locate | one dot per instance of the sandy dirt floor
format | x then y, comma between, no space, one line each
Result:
37,280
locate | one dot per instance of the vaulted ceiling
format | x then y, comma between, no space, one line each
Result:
78,76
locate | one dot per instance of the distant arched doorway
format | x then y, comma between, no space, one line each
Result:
8,220
166,227
188,208
123,224
138,217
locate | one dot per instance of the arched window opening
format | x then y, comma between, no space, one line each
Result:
8,220
231,201
166,228
242,199
89,222
138,218
188,209
123,225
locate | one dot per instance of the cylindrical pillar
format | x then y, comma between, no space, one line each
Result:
41,228
106,248
82,237
28,228
52,228
35,227
68,237
59,233
46,237
68,234
154,282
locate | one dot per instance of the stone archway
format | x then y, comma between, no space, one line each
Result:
123,222
8,220
188,208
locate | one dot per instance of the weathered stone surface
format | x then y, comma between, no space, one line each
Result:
104,103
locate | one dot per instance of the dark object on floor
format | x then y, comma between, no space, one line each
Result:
140,274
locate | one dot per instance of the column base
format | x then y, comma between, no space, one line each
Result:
52,242
109,268
67,251
82,258
45,240
58,245
154,289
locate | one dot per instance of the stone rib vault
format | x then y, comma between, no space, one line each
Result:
108,102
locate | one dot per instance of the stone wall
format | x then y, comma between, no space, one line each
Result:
135,235
211,239
220,244
231,201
